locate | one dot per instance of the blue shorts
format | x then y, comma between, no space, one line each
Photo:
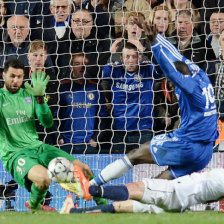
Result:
182,157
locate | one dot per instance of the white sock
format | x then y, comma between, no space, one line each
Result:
112,171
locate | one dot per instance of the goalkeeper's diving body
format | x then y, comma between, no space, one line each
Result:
22,154
189,148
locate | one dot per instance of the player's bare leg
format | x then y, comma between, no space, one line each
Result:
165,175
140,155
123,206
38,175
40,183
121,166
136,190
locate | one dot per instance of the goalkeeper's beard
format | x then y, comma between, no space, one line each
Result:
12,90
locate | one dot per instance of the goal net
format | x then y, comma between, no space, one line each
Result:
98,115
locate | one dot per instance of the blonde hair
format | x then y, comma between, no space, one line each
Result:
135,14
35,45
163,8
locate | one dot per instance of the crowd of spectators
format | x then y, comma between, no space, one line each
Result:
106,91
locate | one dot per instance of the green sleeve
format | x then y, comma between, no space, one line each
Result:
44,114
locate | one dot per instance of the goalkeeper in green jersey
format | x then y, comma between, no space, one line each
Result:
22,154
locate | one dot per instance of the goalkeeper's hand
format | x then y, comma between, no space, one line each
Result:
39,82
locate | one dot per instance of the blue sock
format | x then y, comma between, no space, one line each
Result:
116,193
96,209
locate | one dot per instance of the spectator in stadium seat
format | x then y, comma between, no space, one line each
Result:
55,31
85,39
174,6
216,24
161,19
219,77
207,9
166,107
82,111
190,44
129,87
17,40
132,34
101,17
38,60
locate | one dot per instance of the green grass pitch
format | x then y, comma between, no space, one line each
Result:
208,217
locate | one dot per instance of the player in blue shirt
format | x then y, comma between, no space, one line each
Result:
81,106
189,148
131,85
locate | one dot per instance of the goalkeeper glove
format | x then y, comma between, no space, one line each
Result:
39,83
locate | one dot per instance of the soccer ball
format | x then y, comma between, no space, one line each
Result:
60,170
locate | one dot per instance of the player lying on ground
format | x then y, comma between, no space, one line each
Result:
156,195
22,154
189,148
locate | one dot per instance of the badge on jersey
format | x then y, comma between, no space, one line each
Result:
91,96
138,78
28,100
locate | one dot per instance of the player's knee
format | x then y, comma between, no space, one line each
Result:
136,190
130,187
43,183
133,156
140,155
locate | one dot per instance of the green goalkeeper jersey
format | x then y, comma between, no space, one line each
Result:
17,122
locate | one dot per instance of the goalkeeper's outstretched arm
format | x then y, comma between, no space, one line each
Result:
43,114
42,110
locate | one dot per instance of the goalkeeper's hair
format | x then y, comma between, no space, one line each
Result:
13,63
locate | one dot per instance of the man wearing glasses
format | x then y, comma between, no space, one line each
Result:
85,39
216,25
101,17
